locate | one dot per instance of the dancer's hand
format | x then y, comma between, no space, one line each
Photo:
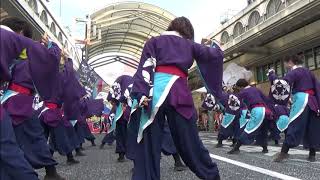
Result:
206,41
270,71
45,39
145,102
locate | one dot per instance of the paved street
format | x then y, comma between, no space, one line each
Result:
249,164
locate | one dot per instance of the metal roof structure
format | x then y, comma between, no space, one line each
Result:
120,31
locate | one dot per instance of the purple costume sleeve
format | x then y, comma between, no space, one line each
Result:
210,63
95,107
316,90
44,64
73,92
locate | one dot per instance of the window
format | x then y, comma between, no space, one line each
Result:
44,17
60,38
53,29
238,30
224,37
317,56
65,44
254,19
309,59
259,74
34,6
274,7
278,68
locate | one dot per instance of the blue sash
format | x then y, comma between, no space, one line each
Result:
134,107
8,94
256,119
282,123
227,120
117,116
162,85
300,101
243,120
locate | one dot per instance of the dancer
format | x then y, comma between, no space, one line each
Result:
52,121
12,160
109,138
19,100
160,85
230,123
303,124
119,97
74,94
256,128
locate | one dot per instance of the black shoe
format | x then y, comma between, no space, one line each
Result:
80,153
53,177
234,151
93,143
179,167
265,151
280,157
121,158
276,142
72,162
219,145
312,159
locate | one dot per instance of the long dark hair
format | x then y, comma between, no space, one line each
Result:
183,26
17,25
295,59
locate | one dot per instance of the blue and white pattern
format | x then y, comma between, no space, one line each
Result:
227,120
8,94
127,95
280,89
282,123
115,90
300,101
162,85
117,116
210,100
243,118
233,102
256,119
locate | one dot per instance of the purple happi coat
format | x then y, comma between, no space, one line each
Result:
20,106
94,107
280,110
173,50
302,80
52,117
43,62
120,89
252,96
73,93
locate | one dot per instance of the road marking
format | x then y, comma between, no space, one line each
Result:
249,148
254,168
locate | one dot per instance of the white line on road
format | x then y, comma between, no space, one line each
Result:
254,168
250,148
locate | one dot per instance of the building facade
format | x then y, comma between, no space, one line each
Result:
264,32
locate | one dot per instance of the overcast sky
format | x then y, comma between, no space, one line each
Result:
205,16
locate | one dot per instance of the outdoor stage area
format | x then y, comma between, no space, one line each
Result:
250,164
